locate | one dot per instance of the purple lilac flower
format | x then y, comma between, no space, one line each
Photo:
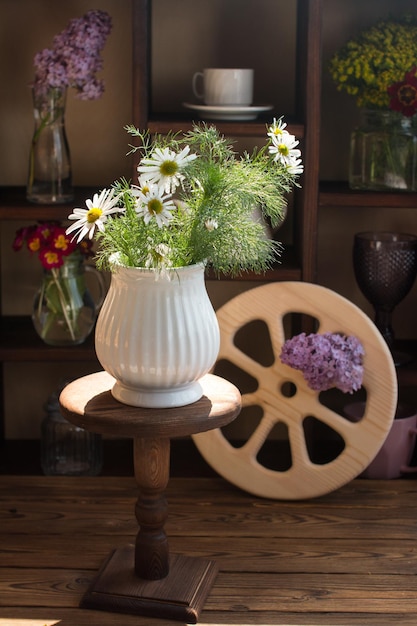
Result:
327,360
74,60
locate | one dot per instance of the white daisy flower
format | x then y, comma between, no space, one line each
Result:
211,224
277,128
164,167
284,148
295,167
144,184
182,206
143,187
154,204
158,256
99,208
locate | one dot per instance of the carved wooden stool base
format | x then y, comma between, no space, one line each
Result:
180,595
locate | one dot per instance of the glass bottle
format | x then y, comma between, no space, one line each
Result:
383,153
67,449
49,177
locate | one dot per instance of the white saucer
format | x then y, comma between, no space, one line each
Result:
228,113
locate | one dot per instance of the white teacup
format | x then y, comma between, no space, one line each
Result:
224,87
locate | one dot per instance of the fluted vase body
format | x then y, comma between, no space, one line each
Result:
157,334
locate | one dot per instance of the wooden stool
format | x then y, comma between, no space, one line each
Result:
143,578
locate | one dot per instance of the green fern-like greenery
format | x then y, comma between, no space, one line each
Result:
214,218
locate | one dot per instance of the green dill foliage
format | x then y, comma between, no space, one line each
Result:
194,202
376,59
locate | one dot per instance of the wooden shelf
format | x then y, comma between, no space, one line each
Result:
19,342
177,123
338,194
14,206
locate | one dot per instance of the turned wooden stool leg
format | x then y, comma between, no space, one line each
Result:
151,461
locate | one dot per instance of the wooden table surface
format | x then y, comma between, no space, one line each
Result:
348,558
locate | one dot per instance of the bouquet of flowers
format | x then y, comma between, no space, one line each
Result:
194,202
378,67
73,61
326,360
58,300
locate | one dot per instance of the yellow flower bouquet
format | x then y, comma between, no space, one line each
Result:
378,58
379,69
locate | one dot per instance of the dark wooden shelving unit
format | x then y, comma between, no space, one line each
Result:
300,262
18,340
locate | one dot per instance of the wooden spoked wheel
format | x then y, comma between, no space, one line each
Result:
272,304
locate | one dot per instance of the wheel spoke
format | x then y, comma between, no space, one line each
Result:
258,437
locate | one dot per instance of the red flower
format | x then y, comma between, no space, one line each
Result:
403,94
36,236
44,232
50,258
21,238
34,241
50,242
60,242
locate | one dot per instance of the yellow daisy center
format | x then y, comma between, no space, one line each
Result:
283,149
94,214
155,206
168,168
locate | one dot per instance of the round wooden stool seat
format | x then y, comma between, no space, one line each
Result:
87,402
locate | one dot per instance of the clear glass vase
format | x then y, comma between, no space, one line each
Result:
64,309
383,153
49,177
66,449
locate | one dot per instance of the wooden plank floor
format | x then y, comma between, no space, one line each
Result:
348,558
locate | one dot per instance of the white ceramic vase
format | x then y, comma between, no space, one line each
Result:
157,334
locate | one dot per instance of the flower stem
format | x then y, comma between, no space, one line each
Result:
62,300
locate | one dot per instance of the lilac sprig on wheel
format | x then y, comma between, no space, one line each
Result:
328,360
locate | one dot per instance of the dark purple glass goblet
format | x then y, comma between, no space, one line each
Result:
385,265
